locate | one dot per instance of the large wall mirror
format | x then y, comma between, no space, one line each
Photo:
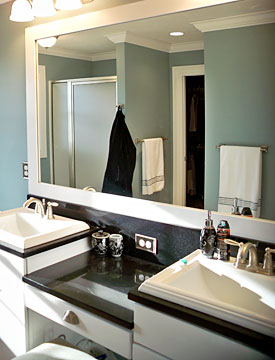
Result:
91,70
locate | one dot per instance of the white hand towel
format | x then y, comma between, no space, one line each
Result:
241,178
152,166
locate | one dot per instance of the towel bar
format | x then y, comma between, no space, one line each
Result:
141,140
264,148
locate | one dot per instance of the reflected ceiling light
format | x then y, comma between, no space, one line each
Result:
43,8
68,4
47,42
176,33
21,11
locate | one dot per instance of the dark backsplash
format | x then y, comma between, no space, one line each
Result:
173,242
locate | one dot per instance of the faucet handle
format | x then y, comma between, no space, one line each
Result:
233,242
49,212
268,264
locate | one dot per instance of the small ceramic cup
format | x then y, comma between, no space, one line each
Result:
116,245
100,242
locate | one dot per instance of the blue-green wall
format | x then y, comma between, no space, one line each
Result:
145,87
240,106
186,58
13,132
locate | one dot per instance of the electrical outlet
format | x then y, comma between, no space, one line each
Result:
25,169
146,243
141,276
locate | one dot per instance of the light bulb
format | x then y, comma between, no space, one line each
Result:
176,33
43,8
47,42
21,11
68,4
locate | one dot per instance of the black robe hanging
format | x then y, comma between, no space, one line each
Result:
121,159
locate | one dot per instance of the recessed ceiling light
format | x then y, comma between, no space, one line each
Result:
176,33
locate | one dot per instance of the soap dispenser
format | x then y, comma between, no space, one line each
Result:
208,241
235,208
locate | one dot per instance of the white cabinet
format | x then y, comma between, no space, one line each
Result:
177,339
142,353
12,310
12,306
90,326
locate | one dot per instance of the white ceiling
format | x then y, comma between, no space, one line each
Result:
91,42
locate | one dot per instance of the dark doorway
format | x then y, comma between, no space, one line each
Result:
195,141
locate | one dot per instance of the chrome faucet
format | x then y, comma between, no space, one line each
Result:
253,265
244,249
49,212
268,263
39,208
251,250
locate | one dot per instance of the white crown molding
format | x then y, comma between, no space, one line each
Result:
187,46
108,55
138,40
76,55
232,22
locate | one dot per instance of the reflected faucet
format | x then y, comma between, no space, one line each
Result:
39,208
89,188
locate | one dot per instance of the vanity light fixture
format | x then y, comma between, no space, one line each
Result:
176,33
43,8
68,4
21,11
26,10
47,42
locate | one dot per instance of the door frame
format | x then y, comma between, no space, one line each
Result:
179,74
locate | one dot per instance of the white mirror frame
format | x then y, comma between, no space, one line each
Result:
259,229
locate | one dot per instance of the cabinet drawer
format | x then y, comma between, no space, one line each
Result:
178,339
103,332
12,268
141,353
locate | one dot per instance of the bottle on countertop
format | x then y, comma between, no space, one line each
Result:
223,249
208,238
235,208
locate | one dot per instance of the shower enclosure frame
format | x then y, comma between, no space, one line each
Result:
71,83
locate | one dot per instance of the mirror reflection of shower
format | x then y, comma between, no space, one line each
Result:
80,121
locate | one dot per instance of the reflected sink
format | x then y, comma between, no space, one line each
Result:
22,229
216,288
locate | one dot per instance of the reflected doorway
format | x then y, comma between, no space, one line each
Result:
195,141
183,76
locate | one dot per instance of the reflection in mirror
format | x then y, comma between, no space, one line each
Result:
86,74
143,72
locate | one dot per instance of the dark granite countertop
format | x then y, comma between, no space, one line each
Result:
263,343
99,284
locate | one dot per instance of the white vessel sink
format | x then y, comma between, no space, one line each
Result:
215,287
22,228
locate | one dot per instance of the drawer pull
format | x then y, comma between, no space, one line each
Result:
70,317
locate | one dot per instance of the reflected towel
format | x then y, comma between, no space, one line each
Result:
241,178
152,166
